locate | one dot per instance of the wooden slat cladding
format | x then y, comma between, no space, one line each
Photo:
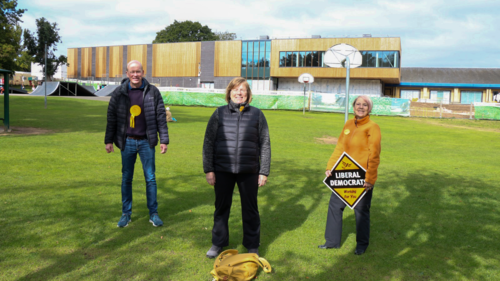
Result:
176,59
388,75
116,61
86,62
73,63
227,58
139,53
100,62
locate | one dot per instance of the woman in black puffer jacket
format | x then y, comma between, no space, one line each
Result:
236,150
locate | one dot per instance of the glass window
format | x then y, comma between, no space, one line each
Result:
282,59
294,59
302,57
243,72
321,57
288,59
268,46
410,94
440,96
308,59
255,72
250,47
369,59
262,46
243,47
386,59
468,97
243,60
315,59
268,59
255,59
256,46
267,73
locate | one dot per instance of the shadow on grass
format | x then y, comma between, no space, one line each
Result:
281,205
76,115
72,235
444,227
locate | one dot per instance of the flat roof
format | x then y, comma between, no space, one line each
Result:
450,75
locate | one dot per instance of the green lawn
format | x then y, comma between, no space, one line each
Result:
435,209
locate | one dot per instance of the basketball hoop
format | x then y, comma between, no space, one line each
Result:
306,78
343,56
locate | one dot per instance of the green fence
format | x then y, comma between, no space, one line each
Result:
381,105
487,111
215,99
316,102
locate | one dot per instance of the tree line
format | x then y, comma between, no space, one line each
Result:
19,48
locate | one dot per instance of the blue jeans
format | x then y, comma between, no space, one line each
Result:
147,155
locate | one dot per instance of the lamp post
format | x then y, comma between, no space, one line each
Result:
45,82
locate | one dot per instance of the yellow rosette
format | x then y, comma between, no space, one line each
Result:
135,110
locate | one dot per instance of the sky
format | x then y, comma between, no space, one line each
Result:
434,33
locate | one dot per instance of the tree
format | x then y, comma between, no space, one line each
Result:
225,35
47,33
23,62
186,31
10,33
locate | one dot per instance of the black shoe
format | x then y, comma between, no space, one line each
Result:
254,251
359,252
324,246
214,252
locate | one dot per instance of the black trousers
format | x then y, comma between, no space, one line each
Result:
333,232
248,185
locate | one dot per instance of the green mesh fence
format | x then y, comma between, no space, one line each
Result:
318,102
212,99
487,112
381,105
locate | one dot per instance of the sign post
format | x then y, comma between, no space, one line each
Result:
347,180
305,78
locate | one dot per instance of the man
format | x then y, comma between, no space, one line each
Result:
136,115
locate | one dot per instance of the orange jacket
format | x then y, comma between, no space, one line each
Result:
361,140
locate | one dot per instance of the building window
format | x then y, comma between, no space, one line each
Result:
371,59
440,96
468,97
257,55
410,94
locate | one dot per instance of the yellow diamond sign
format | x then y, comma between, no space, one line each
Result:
347,180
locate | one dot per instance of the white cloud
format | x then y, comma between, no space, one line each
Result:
441,27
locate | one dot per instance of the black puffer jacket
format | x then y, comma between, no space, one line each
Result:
237,142
154,112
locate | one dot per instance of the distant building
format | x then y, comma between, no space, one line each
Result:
275,65
60,74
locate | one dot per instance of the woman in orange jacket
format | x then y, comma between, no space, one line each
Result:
360,138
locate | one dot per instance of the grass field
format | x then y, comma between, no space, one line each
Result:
435,208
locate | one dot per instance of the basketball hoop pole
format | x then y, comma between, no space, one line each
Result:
304,108
347,67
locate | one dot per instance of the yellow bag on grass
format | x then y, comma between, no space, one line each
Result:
231,266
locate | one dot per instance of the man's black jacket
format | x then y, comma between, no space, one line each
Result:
154,110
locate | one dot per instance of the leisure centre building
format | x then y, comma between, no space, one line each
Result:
275,65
